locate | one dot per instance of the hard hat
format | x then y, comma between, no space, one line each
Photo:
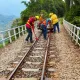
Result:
37,17
50,14
41,14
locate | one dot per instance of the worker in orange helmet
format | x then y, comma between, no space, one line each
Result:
44,28
41,18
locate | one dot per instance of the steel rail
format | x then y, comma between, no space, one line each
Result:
14,71
45,59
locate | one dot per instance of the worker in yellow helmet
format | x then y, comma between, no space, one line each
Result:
37,22
30,28
54,20
37,17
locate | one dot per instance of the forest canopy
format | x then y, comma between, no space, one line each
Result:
35,7
73,12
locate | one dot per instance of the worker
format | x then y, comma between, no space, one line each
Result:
49,27
44,29
55,22
30,28
40,20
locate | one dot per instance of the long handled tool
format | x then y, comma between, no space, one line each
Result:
35,35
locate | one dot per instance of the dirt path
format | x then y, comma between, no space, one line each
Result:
68,67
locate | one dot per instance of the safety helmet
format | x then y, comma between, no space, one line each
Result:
50,14
37,17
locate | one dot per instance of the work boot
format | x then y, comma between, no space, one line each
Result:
31,41
26,39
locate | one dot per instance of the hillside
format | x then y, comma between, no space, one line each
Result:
6,20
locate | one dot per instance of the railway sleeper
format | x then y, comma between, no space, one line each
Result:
25,79
30,69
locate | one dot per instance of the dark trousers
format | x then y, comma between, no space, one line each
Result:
44,31
56,26
29,34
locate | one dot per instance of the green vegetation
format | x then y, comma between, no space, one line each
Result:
1,45
61,20
71,9
35,7
73,12
17,22
6,43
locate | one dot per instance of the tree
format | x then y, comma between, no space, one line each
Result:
67,5
70,3
34,7
73,11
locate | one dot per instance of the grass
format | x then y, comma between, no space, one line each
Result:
1,45
61,20
6,43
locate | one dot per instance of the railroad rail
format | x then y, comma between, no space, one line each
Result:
12,74
38,63
22,62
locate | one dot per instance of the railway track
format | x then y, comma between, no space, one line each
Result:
36,63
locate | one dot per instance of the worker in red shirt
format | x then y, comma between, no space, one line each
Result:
30,28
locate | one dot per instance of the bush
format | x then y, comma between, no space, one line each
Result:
76,21
73,15
61,20
45,13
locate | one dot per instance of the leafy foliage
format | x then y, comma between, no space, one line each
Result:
17,22
35,7
76,21
73,15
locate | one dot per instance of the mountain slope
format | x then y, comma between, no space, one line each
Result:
5,20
